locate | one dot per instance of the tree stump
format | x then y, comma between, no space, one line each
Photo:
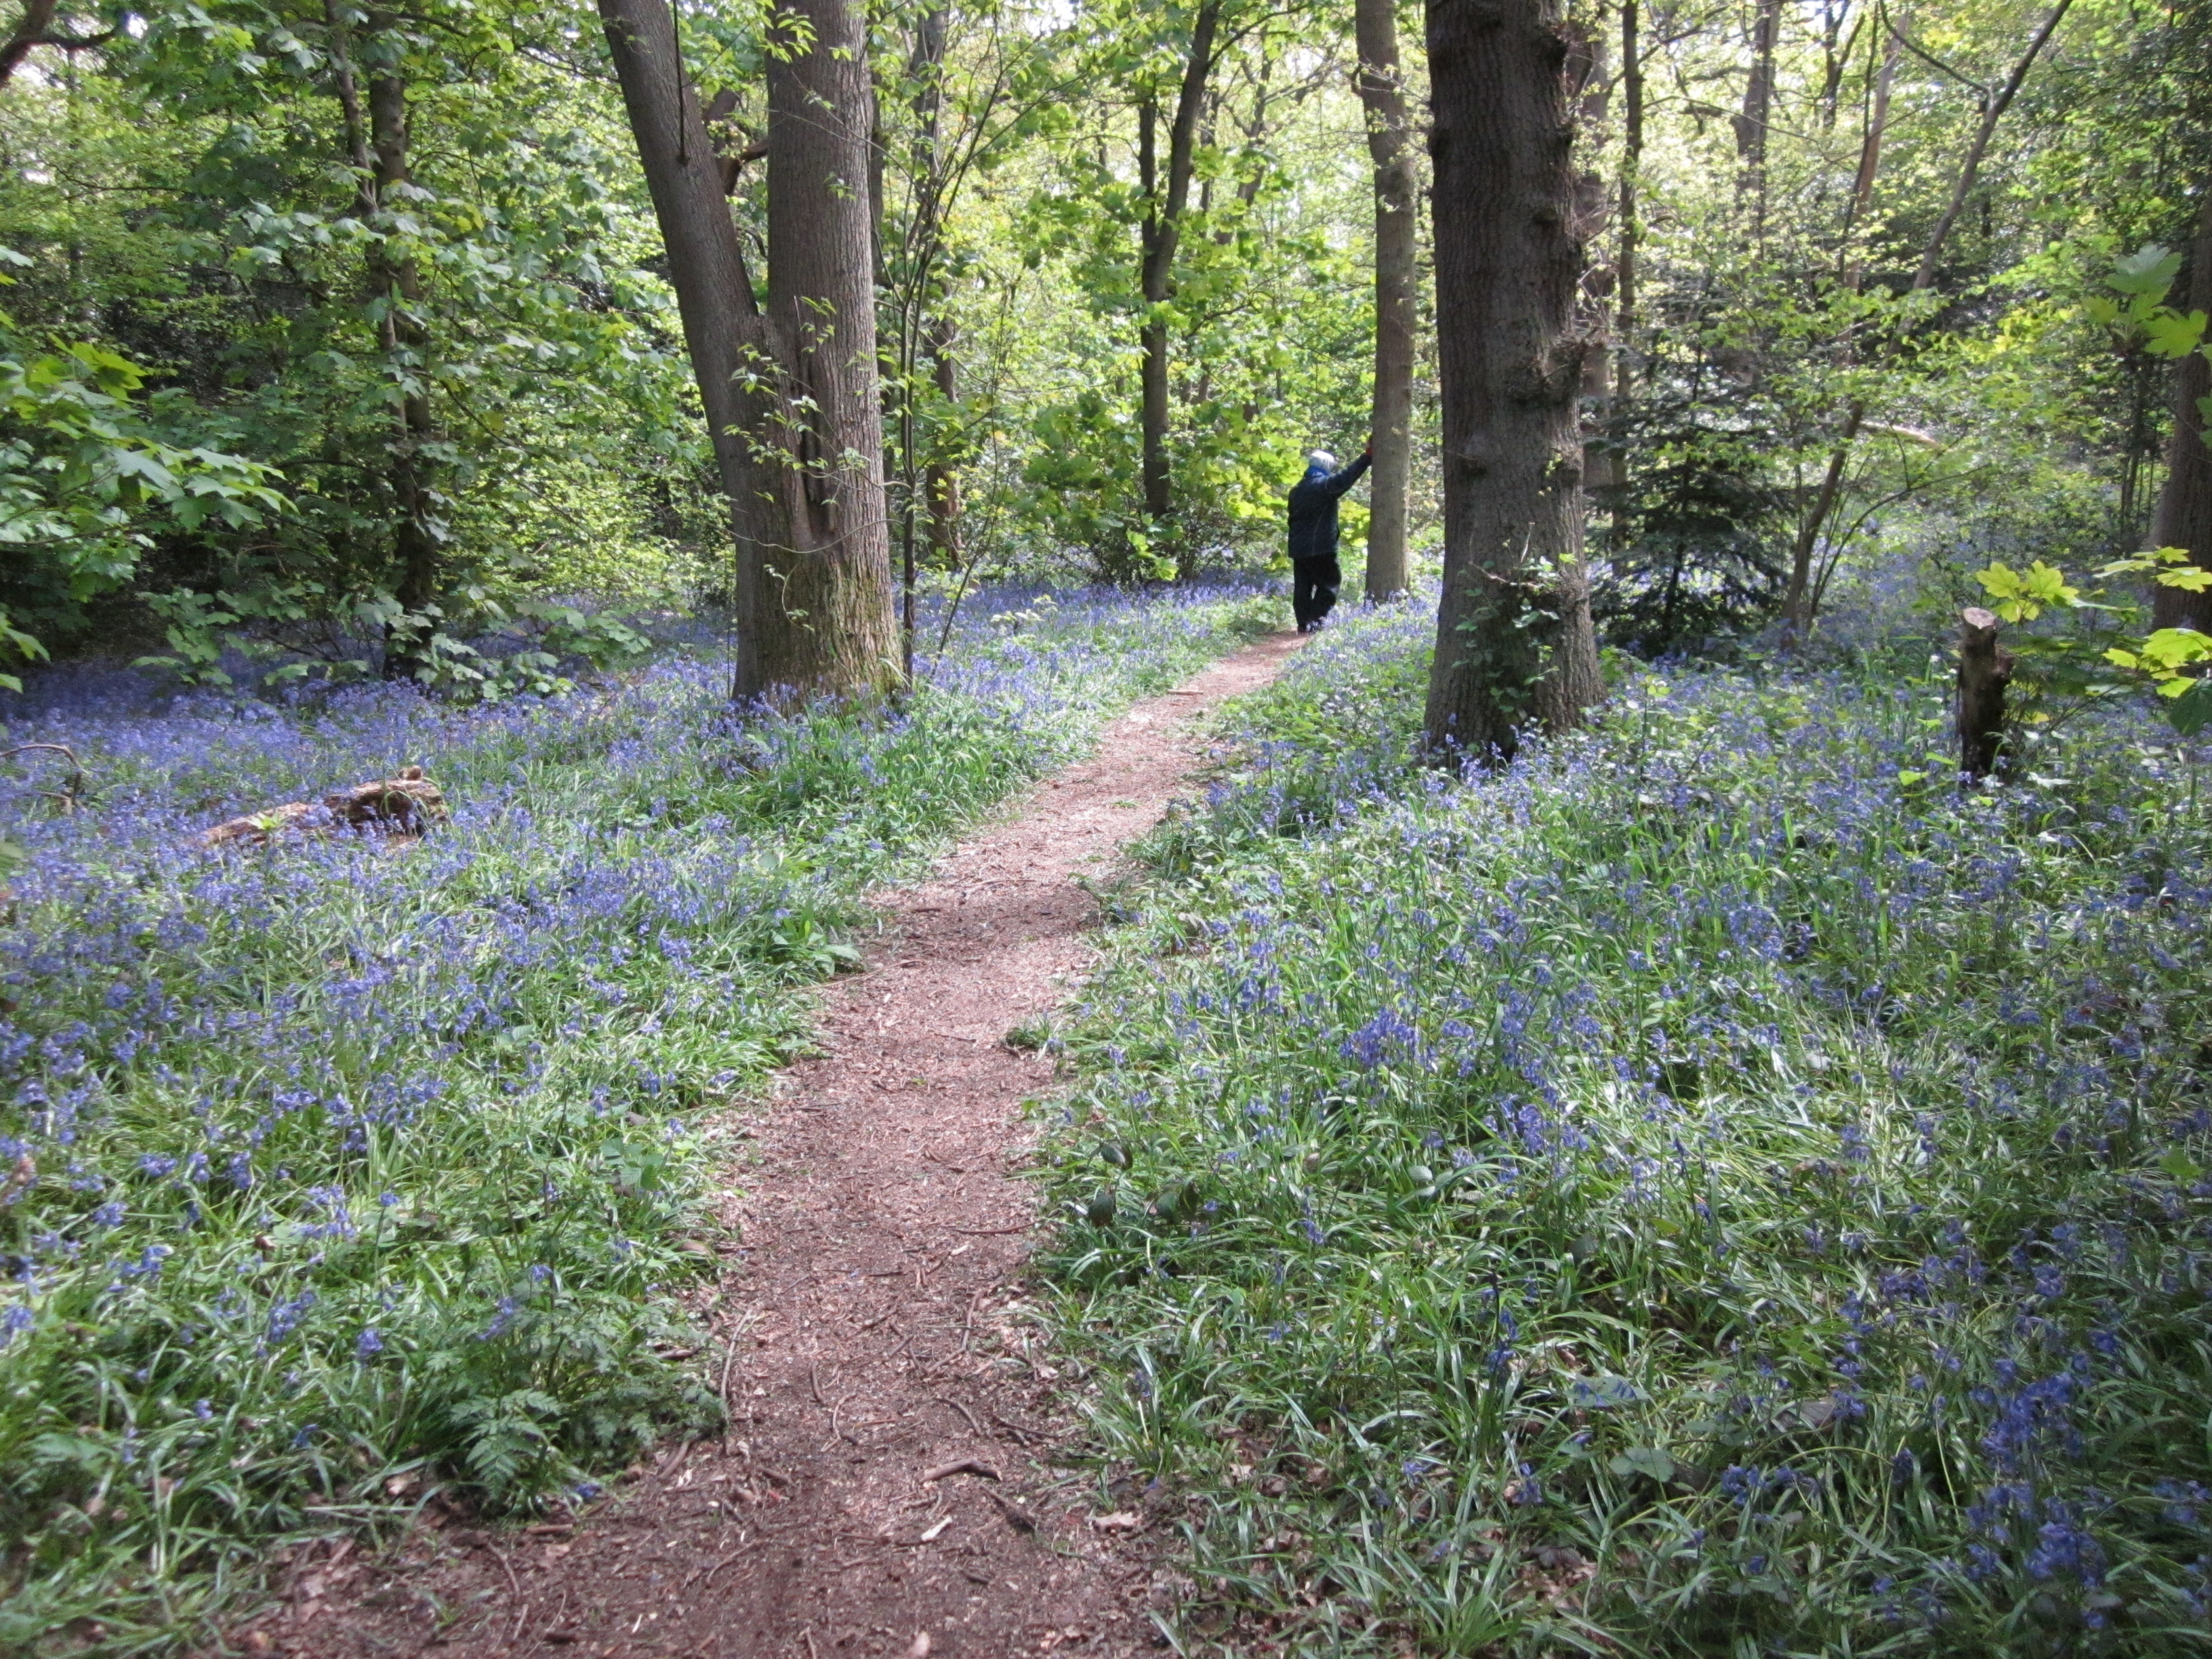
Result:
1985,671
405,805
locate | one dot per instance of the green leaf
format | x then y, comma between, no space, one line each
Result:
1648,1461
2149,269
2172,334
2024,595
2182,1170
2189,713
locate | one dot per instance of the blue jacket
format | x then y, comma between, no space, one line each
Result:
1313,509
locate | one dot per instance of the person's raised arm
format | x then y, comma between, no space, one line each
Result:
1337,483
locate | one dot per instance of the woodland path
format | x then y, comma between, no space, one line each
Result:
880,1333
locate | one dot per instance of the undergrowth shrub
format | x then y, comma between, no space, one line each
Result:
1710,1187
334,1172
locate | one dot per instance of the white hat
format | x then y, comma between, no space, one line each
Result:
1323,459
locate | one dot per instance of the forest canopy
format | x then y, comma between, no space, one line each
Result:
337,378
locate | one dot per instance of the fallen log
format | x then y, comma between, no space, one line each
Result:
406,806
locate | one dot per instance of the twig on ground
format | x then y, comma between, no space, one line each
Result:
963,1466
729,1358
1025,1435
499,1556
1015,1518
968,1325
947,1399
707,1577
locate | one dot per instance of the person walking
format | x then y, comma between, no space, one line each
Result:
1315,575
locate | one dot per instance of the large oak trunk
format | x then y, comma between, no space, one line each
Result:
1388,144
829,624
2184,503
1514,643
789,396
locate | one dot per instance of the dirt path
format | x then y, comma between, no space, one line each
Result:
887,1486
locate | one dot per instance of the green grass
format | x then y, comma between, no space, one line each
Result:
1711,1189
348,1173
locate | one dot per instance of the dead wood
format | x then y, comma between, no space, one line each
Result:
1985,671
406,806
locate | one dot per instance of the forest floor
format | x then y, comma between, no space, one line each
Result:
894,1478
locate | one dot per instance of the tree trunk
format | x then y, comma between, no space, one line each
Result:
1985,671
831,628
925,489
1871,140
790,397
2184,502
1631,233
1514,643
941,479
376,137
1151,335
722,328
1751,126
1164,202
1397,225
31,31
419,536
1592,204
1835,53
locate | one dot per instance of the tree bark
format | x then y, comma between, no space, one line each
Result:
1985,671
377,141
419,536
1164,202
928,489
1835,53
38,18
1632,227
1382,90
1869,151
2183,518
723,332
941,479
790,395
1514,643
1592,206
1751,125
830,627
1625,270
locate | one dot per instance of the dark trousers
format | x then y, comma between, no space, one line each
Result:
1314,583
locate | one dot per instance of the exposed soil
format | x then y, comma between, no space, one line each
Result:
893,1480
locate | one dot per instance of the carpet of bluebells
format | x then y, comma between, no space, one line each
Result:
333,1171
1711,1187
